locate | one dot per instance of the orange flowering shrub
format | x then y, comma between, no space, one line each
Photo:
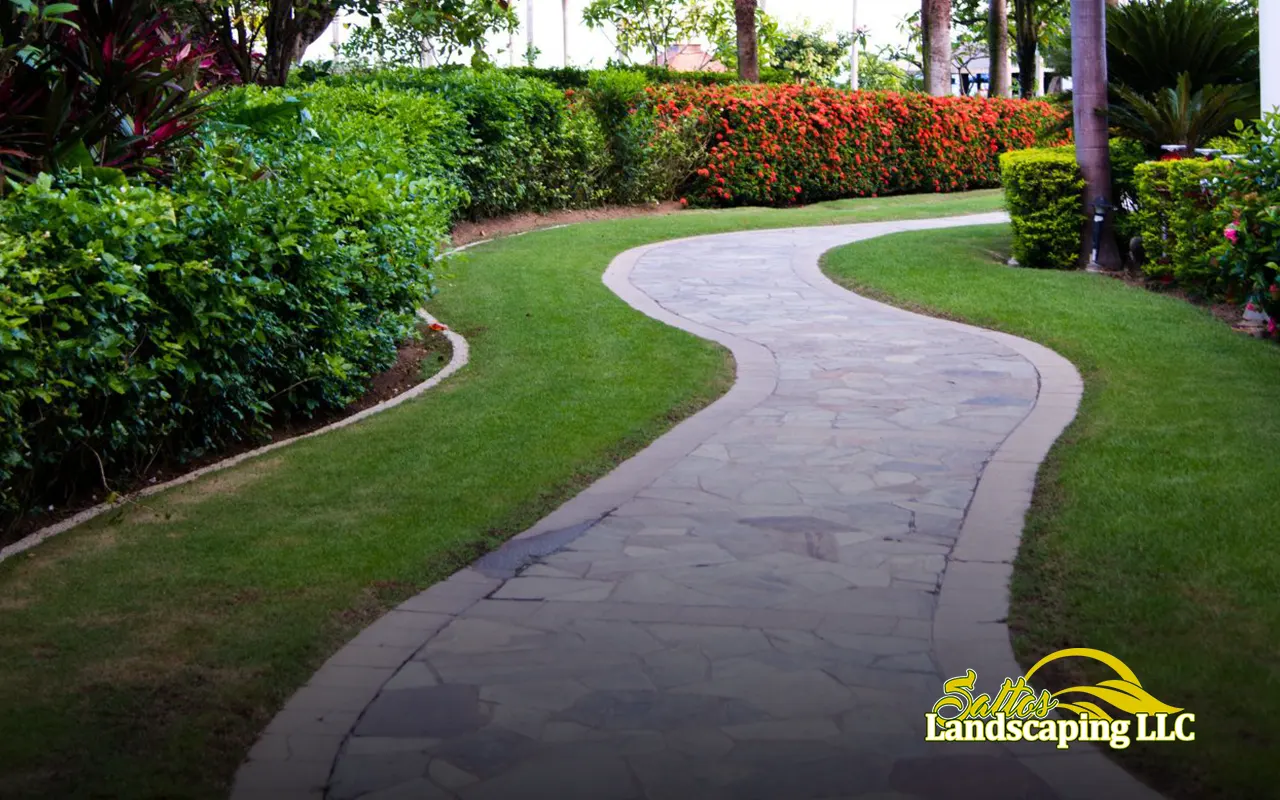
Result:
787,144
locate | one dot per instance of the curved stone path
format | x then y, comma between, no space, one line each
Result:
763,604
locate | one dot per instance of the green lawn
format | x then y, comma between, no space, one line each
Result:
1153,533
141,654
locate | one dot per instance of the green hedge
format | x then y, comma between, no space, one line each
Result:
525,147
1175,216
1042,190
579,78
141,323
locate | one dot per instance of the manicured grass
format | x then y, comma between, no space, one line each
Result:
141,654
1153,533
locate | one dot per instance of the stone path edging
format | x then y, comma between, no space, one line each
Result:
457,361
298,749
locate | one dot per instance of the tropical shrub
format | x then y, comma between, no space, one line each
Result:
1150,43
1042,191
109,83
781,145
1176,200
1178,115
1247,218
139,323
1181,71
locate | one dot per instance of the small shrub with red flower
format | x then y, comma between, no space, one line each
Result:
1247,219
789,144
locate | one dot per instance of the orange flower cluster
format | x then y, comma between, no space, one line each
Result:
788,144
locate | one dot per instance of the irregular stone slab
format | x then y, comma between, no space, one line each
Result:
433,711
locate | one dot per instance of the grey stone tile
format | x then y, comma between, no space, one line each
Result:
354,776
433,711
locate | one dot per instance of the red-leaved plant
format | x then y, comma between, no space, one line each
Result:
110,83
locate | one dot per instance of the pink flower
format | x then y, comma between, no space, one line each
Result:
1232,234
1271,327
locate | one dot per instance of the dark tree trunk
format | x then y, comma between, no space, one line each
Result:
1026,34
937,46
1089,78
924,43
998,49
292,25
744,13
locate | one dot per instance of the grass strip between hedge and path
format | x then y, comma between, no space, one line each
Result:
1153,531
141,654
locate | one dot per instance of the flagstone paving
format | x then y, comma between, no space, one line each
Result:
763,605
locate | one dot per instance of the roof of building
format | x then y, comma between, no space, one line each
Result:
689,58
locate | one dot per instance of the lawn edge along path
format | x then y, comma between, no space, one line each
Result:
458,358
295,754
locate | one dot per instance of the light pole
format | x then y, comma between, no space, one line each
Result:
853,50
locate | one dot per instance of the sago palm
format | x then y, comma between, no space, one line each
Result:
1180,115
1151,42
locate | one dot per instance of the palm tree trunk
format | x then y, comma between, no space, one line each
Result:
1026,35
998,49
744,14
936,16
1089,79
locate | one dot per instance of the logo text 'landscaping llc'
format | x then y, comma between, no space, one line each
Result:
1018,713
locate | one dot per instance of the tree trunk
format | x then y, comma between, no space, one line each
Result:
1089,75
998,49
924,43
744,14
1026,35
937,47
292,25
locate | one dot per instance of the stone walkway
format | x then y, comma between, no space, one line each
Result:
763,604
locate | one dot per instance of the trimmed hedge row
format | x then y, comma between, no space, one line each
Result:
579,78
518,144
1175,219
1042,191
141,323
781,145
